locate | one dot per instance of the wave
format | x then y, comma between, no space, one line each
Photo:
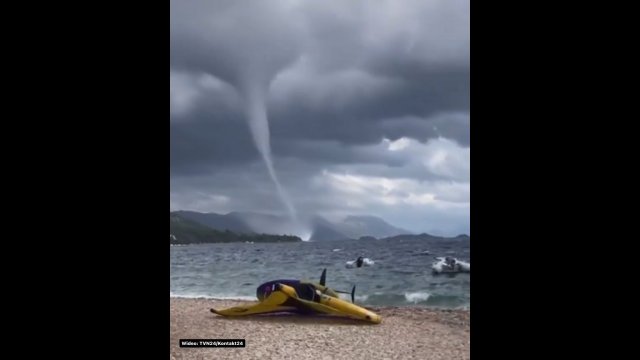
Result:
421,298
416,297
211,297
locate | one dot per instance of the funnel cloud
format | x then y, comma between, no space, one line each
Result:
259,126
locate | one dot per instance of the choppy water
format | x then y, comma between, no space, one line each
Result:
401,274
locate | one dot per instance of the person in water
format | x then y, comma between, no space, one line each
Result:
360,261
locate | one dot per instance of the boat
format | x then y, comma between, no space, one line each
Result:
359,262
301,297
450,265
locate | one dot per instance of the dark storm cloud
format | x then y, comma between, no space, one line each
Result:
419,48
225,37
342,77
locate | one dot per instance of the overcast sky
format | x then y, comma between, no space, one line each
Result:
367,103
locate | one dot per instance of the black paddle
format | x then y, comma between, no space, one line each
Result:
323,280
353,292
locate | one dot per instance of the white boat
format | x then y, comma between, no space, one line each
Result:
450,265
359,262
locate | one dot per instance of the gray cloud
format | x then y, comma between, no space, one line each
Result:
342,76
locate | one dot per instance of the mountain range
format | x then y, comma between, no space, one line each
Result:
189,227
351,227
185,231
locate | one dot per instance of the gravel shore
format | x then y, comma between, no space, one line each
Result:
405,333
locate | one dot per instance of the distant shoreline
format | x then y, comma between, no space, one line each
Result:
280,239
195,227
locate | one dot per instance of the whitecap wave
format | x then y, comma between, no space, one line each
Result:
416,297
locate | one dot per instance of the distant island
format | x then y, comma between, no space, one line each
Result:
190,227
184,231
